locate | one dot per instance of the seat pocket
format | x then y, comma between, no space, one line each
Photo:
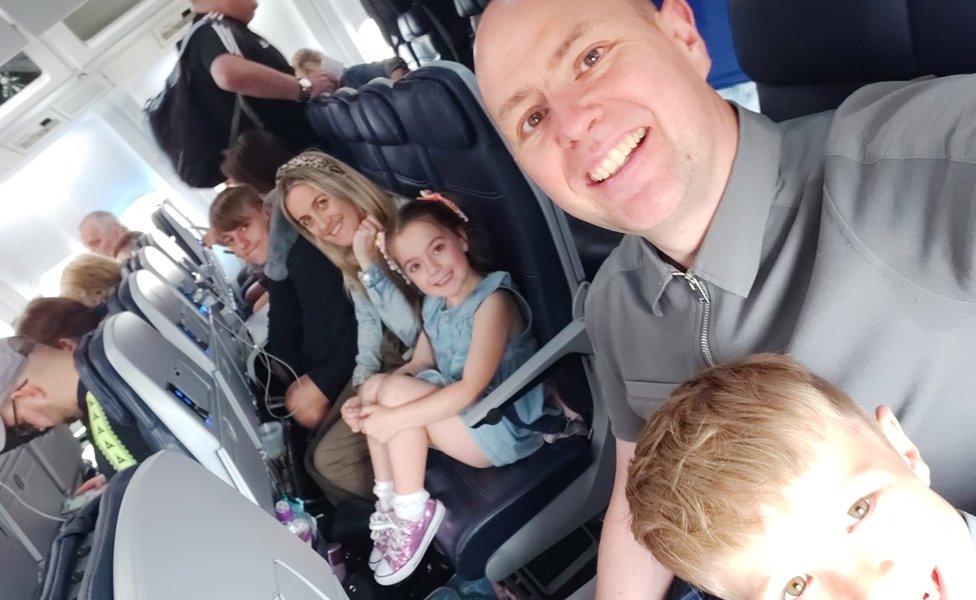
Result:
645,397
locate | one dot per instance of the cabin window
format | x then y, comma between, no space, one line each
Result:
94,16
370,42
15,75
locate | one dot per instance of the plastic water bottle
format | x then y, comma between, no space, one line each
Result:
300,525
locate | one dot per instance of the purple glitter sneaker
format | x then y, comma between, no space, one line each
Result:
407,544
380,526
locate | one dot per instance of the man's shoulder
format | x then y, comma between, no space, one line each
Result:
921,119
627,256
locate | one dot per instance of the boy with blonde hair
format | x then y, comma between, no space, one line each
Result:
759,480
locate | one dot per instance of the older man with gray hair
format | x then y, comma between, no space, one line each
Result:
102,233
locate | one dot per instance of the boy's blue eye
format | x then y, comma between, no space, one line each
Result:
795,587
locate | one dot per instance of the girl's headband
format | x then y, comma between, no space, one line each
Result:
430,196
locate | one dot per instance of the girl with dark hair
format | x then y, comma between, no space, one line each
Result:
476,332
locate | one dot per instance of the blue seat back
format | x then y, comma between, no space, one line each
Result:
809,55
380,127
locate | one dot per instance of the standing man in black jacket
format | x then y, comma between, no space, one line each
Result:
260,73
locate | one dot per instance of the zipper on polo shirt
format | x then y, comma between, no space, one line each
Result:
698,286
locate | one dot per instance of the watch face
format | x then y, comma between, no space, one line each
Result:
305,83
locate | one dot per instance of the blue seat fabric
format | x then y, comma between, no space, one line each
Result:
807,56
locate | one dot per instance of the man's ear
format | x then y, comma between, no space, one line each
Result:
677,21
892,431
67,344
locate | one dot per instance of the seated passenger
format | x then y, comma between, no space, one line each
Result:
311,327
90,279
341,212
758,479
477,331
49,320
240,222
307,62
40,389
102,233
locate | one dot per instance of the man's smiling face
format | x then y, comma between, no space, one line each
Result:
605,105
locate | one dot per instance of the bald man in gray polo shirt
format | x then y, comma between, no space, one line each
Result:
845,238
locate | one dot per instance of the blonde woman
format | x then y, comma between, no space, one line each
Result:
90,279
340,211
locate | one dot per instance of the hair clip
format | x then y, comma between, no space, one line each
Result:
381,245
431,196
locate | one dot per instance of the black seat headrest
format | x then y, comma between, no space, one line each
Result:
414,23
374,116
401,6
470,8
438,121
808,55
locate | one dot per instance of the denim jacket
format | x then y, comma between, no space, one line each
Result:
383,304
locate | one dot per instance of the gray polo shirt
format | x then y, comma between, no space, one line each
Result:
845,239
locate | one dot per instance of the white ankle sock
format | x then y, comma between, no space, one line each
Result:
384,493
410,507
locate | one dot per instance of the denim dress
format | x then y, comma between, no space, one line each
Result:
449,331
383,304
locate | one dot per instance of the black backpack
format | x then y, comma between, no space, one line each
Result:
182,131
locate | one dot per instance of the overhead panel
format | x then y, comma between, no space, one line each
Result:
94,16
35,16
11,41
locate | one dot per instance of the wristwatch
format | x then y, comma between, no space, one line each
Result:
306,93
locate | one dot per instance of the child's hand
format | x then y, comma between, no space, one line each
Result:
379,422
364,241
351,413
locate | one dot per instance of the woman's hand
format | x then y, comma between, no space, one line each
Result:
351,413
364,241
379,422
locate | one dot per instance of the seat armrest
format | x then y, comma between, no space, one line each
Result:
571,341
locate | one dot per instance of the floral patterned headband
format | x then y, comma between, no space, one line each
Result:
428,196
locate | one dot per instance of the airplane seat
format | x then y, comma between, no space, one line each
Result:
171,544
380,127
321,119
365,157
144,294
498,519
43,472
808,56
140,378
191,246
82,555
436,32
593,243
471,10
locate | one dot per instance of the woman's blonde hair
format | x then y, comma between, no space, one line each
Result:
90,278
305,55
335,179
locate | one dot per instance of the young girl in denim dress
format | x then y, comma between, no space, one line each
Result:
477,330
